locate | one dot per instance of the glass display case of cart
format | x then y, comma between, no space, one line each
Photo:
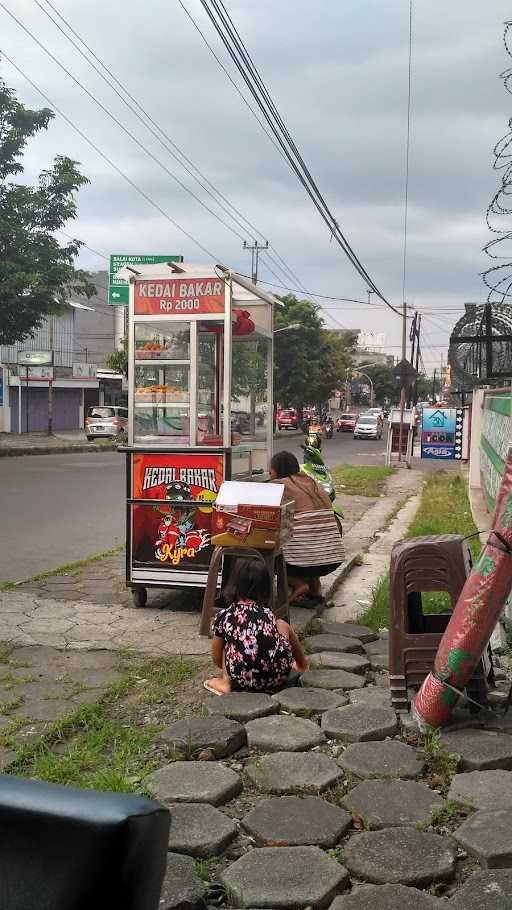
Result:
161,386
201,367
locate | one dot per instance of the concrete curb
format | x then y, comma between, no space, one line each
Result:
64,449
54,450
341,573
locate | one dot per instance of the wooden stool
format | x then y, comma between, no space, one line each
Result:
274,561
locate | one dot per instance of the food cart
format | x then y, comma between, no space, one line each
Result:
200,412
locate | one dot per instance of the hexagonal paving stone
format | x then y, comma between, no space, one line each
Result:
386,897
337,660
301,700
379,661
371,695
182,888
286,772
401,856
199,829
279,733
392,803
284,877
194,782
242,706
192,734
293,822
351,629
490,890
481,750
357,723
487,836
316,643
389,758
485,790
332,679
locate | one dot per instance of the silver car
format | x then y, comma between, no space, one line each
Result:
106,421
368,426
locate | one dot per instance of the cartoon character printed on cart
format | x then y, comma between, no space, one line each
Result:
177,537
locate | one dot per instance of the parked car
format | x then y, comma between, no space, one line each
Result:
346,423
287,419
106,421
368,426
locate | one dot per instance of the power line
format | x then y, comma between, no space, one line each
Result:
105,157
166,141
406,200
230,37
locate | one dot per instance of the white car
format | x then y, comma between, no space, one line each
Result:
368,426
377,412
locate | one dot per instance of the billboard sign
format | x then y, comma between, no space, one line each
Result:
441,433
118,288
173,530
179,296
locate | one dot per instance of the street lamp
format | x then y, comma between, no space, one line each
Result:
288,328
358,370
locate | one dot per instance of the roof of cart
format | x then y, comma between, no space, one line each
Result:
243,288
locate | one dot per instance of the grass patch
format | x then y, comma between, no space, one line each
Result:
444,509
73,567
104,745
441,765
360,481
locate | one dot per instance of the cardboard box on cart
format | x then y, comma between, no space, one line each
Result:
249,514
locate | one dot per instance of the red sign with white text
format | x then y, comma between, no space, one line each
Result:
179,296
174,531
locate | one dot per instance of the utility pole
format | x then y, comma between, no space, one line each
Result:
50,381
255,249
404,330
434,386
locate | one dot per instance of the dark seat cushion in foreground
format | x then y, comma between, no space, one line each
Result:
67,849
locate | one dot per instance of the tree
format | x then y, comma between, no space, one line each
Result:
118,359
37,275
309,361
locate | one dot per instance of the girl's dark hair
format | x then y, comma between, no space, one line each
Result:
250,580
284,464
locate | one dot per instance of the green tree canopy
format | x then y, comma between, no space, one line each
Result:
309,361
37,275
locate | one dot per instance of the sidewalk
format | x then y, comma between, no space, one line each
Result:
42,444
92,608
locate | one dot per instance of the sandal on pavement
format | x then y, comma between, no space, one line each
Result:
210,688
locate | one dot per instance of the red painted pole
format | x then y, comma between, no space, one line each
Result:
476,613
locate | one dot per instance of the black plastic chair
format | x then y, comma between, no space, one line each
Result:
67,849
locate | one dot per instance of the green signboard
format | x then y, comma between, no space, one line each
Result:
118,287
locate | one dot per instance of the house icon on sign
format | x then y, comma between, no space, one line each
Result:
438,419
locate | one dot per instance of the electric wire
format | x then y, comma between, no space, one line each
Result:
407,154
105,157
138,110
238,53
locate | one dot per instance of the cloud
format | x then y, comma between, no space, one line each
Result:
338,73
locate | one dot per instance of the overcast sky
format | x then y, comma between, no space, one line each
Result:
337,69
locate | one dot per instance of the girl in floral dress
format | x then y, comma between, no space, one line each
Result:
254,650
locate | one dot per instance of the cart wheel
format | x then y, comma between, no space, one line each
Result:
140,597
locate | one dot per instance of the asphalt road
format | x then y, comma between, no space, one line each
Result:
56,509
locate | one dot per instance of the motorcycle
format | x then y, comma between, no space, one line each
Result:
315,467
329,429
314,436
